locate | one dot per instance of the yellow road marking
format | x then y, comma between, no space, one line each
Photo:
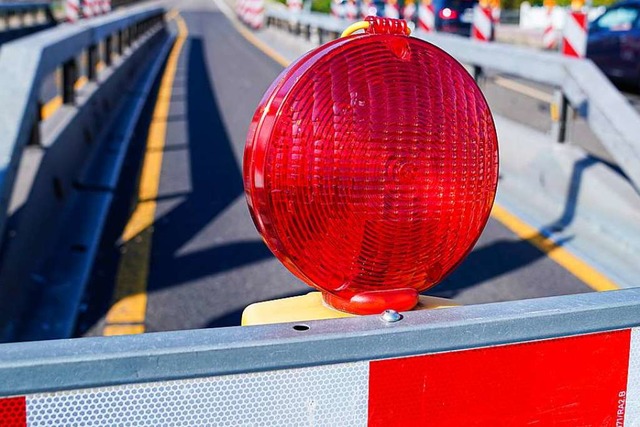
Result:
271,53
524,89
589,275
128,313
580,269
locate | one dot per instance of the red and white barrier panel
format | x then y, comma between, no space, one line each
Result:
409,11
106,6
294,6
588,380
482,26
574,37
391,9
351,10
88,10
549,37
337,9
72,10
426,16
251,12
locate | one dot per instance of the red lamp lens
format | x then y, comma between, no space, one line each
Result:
370,169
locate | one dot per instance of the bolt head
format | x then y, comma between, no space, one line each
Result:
391,316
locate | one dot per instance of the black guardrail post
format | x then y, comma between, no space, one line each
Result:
108,51
69,77
559,112
92,62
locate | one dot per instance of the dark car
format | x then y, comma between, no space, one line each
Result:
454,16
614,42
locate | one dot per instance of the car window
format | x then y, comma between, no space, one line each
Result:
618,19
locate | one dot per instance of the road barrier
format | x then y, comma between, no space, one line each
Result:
572,359
482,27
49,163
426,16
580,83
574,35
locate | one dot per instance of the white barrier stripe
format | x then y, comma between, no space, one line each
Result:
576,35
632,398
427,17
482,22
322,395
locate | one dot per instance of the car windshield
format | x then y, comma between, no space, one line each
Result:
618,19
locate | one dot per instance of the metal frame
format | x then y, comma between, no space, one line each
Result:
585,87
26,62
92,362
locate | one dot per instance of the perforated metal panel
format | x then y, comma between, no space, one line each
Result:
334,395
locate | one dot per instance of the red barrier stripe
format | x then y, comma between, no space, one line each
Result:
13,412
569,381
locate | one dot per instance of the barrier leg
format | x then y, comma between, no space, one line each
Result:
69,76
559,110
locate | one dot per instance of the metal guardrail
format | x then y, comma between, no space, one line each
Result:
582,84
28,61
93,362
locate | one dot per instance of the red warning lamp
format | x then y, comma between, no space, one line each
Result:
371,167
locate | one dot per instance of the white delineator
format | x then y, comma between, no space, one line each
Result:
106,6
251,12
574,37
426,16
482,27
72,10
87,8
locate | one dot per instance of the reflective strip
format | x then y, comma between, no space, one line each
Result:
324,395
482,23
632,398
575,35
575,380
13,412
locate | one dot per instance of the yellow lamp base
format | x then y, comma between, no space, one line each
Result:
311,307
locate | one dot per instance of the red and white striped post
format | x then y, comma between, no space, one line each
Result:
391,9
409,11
87,8
574,37
295,6
426,16
106,6
482,27
496,10
337,9
351,10
549,37
72,10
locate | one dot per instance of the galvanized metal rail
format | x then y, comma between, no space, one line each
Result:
581,84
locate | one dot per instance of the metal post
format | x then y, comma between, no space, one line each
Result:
320,36
108,50
307,32
34,139
69,76
477,73
120,43
92,62
559,113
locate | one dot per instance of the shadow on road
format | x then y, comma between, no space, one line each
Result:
504,256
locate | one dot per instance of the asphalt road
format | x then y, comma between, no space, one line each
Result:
207,261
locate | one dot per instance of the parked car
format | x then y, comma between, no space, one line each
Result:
454,16
614,42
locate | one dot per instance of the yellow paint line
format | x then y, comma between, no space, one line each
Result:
583,271
524,89
128,313
271,53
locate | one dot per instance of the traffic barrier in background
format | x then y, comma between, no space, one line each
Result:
295,6
574,36
106,6
426,16
482,26
351,10
251,12
391,9
573,359
88,10
549,36
409,11
496,10
337,9
72,10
